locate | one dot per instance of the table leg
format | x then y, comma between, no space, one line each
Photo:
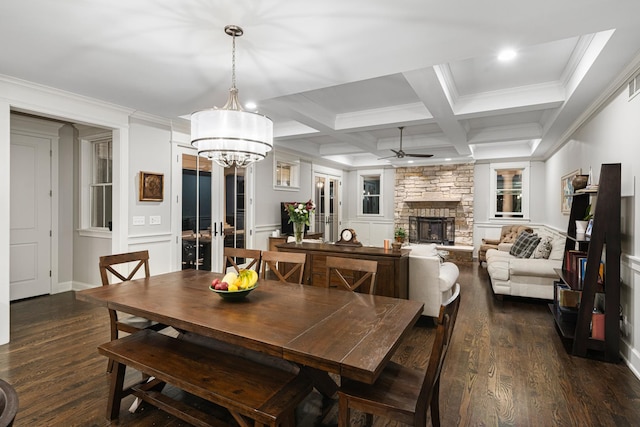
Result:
321,381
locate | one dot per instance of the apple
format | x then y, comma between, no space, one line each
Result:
215,282
224,286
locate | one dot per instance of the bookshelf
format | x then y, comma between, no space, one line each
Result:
578,291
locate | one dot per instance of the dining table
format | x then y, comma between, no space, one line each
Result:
324,330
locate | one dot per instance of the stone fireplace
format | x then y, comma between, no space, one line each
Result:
441,191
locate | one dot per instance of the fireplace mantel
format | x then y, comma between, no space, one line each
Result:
434,198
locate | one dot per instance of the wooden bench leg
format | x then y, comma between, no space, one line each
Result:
116,392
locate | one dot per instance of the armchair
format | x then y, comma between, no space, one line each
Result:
508,234
430,280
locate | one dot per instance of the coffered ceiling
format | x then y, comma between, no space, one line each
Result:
339,77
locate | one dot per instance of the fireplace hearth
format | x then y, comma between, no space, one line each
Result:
429,229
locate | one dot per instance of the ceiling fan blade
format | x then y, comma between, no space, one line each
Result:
388,157
419,155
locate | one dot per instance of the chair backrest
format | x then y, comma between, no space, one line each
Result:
284,265
8,404
337,266
252,257
108,263
445,323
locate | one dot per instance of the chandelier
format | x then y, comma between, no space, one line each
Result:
229,135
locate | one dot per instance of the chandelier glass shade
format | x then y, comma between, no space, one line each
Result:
229,135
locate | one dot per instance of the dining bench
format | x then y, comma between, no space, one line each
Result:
250,391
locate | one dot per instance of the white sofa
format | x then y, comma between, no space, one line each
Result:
525,277
430,280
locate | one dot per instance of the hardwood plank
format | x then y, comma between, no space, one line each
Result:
61,379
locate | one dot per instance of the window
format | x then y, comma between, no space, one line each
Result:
286,172
509,189
101,184
96,179
371,185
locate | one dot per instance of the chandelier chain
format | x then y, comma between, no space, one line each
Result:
233,61
229,135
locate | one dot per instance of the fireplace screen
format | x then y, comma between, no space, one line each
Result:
429,229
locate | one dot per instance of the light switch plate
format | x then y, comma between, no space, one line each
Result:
138,220
154,220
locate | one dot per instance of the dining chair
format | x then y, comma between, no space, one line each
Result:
8,404
236,256
283,265
402,393
346,269
117,265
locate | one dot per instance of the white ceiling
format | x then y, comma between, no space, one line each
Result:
339,77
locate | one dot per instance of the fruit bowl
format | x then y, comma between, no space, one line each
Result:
233,295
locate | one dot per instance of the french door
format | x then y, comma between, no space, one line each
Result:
327,206
216,211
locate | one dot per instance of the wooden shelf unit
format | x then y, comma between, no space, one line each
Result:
604,239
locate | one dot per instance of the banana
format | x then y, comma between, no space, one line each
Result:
249,279
253,278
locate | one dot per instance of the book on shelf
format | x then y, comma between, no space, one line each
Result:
582,269
601,274
567,297
570,263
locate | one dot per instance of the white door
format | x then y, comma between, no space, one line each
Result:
30,201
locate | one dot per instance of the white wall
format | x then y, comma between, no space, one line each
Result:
371,231
267,199
611,136
150,151
66,211
5,231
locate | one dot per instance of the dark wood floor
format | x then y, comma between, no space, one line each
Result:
506,367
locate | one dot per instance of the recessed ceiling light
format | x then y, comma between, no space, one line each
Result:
507,55
448,159
410,161
250,105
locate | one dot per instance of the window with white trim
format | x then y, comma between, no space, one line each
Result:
286,172
370,183
510,190
96,181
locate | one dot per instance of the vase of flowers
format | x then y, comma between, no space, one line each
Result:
299,216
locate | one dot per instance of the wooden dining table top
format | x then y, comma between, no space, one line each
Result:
346,333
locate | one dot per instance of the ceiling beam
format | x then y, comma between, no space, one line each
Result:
428,88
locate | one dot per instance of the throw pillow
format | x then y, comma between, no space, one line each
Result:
533,244
543,250
523,241
557,248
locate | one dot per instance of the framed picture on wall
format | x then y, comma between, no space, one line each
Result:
566,191
151,187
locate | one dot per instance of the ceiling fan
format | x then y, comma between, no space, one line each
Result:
400,154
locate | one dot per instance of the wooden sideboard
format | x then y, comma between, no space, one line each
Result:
392,279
